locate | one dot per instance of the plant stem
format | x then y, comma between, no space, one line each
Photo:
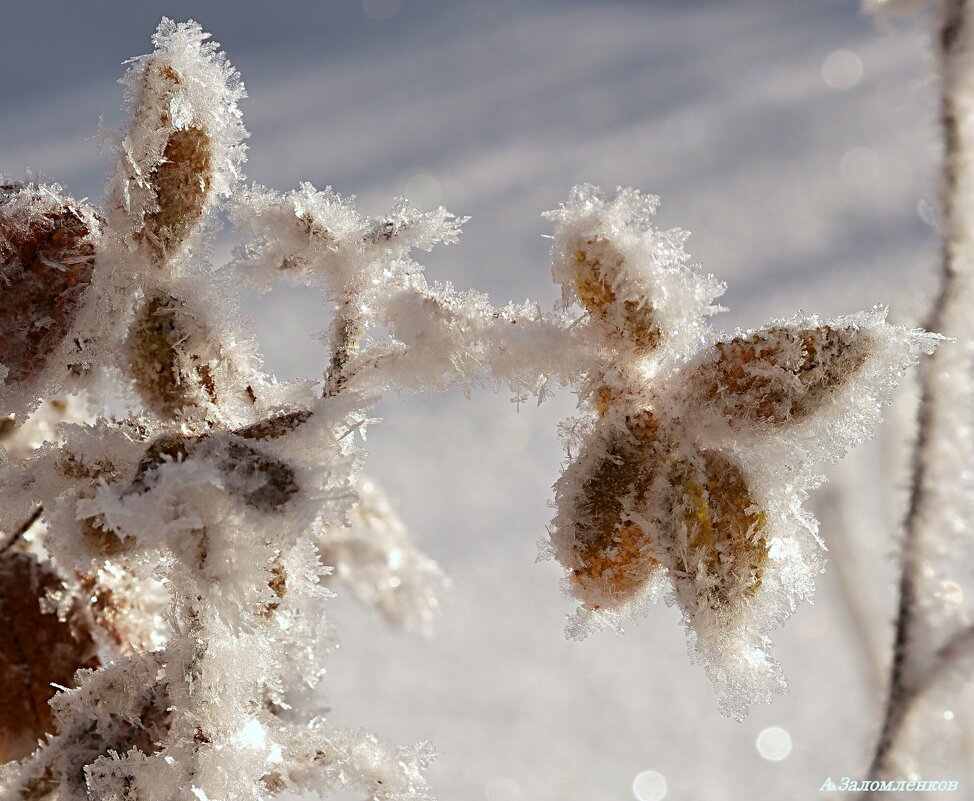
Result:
22,529
347,335
904,683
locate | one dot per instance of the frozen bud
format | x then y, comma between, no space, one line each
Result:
37,648
261,481
708,529
183,148
606,552
779,374
598,273
172,356
182,186
101,539
47,254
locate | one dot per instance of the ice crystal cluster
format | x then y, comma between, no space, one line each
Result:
176,518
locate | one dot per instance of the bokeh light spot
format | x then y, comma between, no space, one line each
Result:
649,786
774,743
842,69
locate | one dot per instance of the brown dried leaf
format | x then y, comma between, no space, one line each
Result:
598,266
182,179
608,550
707,520
36,649
182,186
46,260
780,375
261,481
169,357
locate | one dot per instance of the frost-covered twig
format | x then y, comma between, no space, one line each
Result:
943,449
22,529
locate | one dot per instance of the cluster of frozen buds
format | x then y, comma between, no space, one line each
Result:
177,556
692,465
161,565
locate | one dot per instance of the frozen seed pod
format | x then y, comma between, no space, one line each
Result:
708,530
47,254
779,375
183,149
172,358
182,185
599,286
261,481
606,552
37,649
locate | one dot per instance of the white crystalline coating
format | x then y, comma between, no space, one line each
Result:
307,237
318,238
353,759
439,337
374,558
444,338
192,525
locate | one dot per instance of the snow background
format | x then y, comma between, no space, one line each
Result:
799,193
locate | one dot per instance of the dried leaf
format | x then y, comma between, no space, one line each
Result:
36,649
182,186
707,526
178,180
46,259
608,550
170,357
598,268
261,481
780,375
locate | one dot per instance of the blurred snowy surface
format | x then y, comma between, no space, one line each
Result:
794,139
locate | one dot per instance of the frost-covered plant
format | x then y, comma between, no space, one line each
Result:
176,547
691,468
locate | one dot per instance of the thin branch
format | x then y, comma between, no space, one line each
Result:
948,658
348,330
22,529
902,689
